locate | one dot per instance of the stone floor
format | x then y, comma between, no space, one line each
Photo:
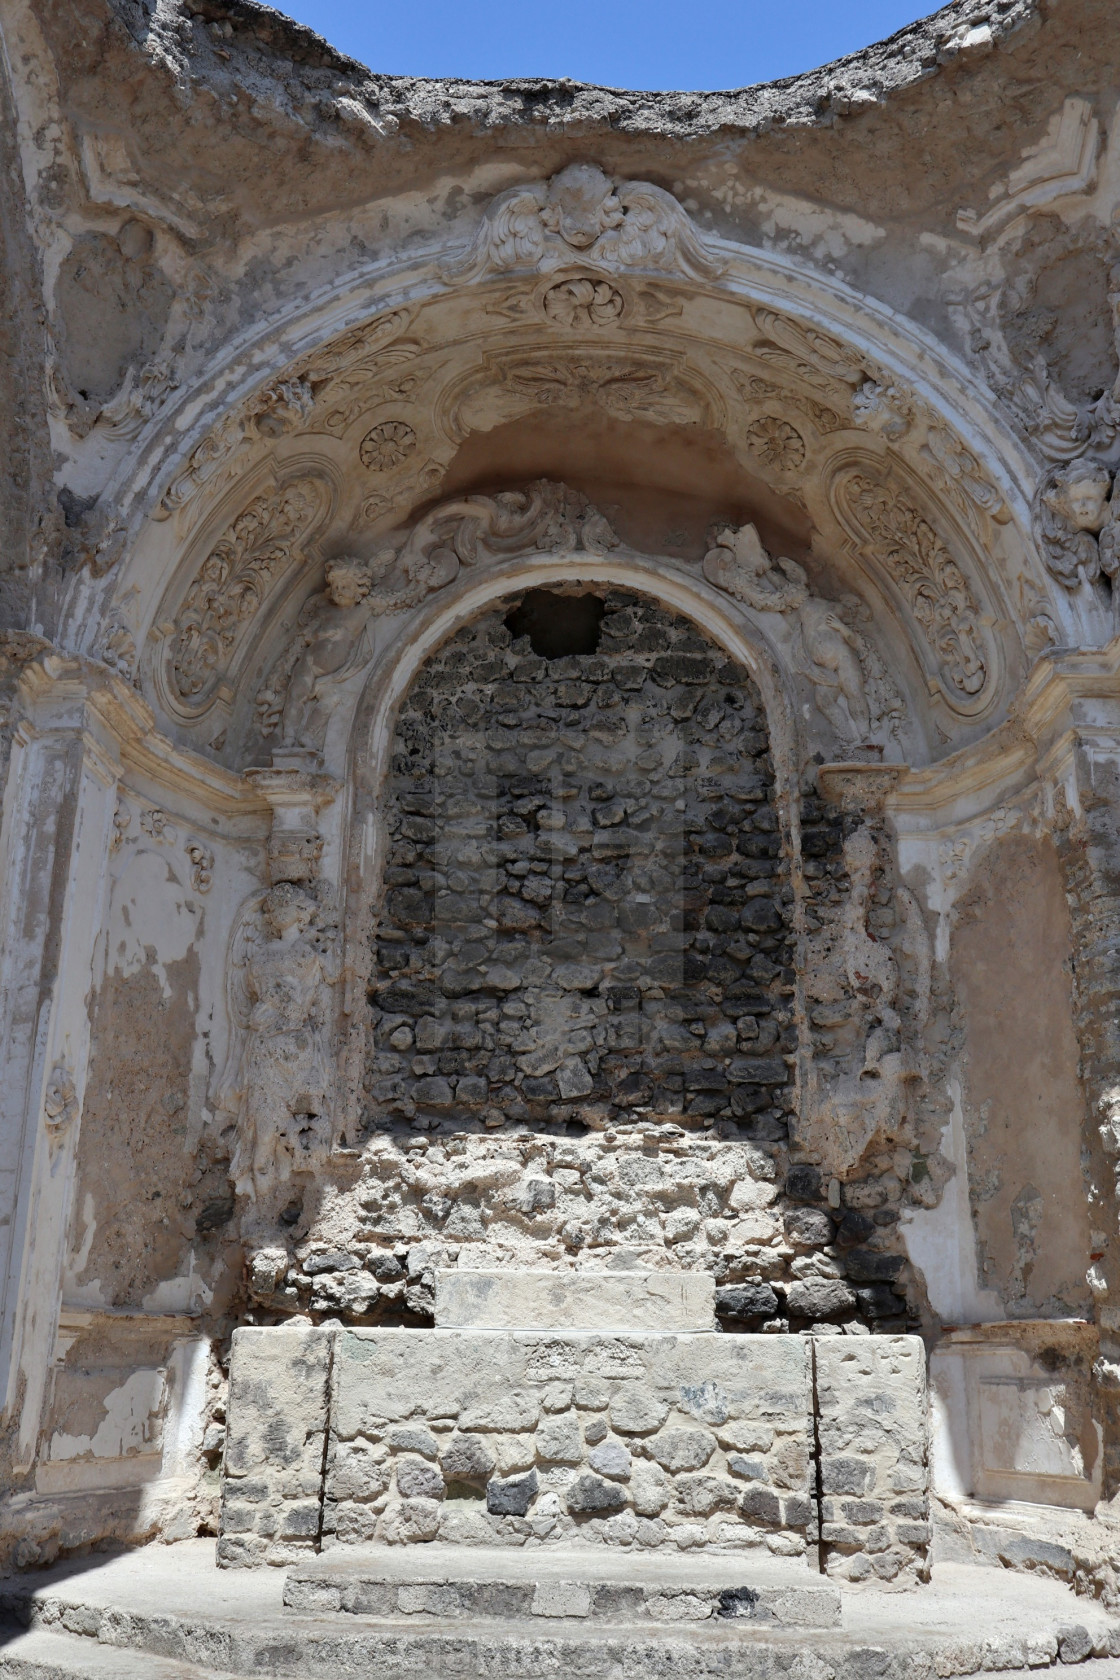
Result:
167,1613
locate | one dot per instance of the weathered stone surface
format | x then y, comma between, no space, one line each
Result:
662,1301
873,1430
603,1443
820,1298
416,868
513,1497
592,1494
275,1440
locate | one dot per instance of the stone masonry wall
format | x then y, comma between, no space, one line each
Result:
587,901
488,1438
272,1474
581,1033
873,1439
525,1438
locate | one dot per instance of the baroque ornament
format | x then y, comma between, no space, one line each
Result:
261,544
331,638
278,1081
1077,524
816,358
850,684
920,567
337,382
776,443
627,384
386,445
581,213
60,1102
754,389
583,303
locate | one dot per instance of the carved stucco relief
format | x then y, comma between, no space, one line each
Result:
261,545
895,535
628,383
331,637
580,215
851,686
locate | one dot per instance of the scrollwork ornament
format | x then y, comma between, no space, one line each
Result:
331,637
230,586
921,568
580,213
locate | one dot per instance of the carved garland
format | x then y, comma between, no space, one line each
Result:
930,581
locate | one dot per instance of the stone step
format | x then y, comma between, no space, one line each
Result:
39,1655
441,1582
168,1614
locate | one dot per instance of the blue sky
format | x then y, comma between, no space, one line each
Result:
695,44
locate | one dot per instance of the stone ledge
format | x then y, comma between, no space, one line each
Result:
561,1583
633,1302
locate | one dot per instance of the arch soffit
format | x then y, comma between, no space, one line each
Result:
671,354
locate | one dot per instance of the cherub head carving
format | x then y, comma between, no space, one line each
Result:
347,582
580,205
1075,523
285,906
1079,493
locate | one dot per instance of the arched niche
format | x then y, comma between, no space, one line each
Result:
588,901
682,396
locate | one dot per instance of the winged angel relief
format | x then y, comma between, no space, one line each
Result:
332,636
850,682
580,214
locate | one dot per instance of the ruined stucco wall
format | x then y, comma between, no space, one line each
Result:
836,363
1011,977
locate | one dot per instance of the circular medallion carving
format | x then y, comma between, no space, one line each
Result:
387,445
776,443
583,303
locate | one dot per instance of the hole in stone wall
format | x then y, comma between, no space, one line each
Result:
557,625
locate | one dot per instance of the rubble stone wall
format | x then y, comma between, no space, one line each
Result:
587,898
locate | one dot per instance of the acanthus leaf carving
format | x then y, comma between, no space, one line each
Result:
627,384
851,686
331,636
580,214
815,357
754,389
233,581
935,590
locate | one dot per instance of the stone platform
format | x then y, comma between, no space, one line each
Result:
168,1613
775,1446
572,1584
